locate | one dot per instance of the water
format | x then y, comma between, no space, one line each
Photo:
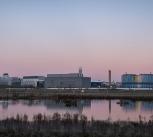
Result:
98,109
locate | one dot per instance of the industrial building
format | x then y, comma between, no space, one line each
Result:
70,80
7,81
96,84
129,80
15,82
33,81
137,81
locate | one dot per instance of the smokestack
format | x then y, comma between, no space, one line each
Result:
80,72
109,77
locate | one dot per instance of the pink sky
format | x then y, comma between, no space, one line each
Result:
95,60
37,38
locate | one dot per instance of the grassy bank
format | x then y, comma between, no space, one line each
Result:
72,126
74,93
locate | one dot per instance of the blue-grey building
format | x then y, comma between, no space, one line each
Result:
70,80
137,81
15,82
145,81
129,80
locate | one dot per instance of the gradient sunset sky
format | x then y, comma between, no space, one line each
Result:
58,36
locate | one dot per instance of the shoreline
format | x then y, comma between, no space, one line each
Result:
75,94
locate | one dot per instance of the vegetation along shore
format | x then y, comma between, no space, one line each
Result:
75,125
75,93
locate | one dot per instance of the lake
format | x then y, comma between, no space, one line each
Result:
113,110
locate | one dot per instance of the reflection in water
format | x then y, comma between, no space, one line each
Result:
128,105
109,116
109,106
5,104
147,106
98,109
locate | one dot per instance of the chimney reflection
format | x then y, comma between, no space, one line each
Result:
109,117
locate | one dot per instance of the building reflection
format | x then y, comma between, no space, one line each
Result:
99,109
147,106
76,106
128,105
110,108
5,104
32,102
79,105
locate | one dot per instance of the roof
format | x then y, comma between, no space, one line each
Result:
64,75
33,77
130,74
97,81
147,74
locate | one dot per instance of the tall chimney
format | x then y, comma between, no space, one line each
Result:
109,77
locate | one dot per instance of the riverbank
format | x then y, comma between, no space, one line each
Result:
75,93
72,126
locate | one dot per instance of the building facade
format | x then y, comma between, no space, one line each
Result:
15,82
96,84
145,81
7,81
70,80
33,81
137,81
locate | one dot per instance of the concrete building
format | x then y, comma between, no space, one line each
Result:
15,82
33,81
96,84
70,80
129,80
137,81
145,81
5,80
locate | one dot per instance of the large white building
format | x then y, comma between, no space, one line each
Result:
32,81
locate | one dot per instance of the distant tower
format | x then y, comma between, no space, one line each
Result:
80,72
109,77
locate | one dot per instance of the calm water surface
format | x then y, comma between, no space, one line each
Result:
98,109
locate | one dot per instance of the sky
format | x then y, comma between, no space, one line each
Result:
38,37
